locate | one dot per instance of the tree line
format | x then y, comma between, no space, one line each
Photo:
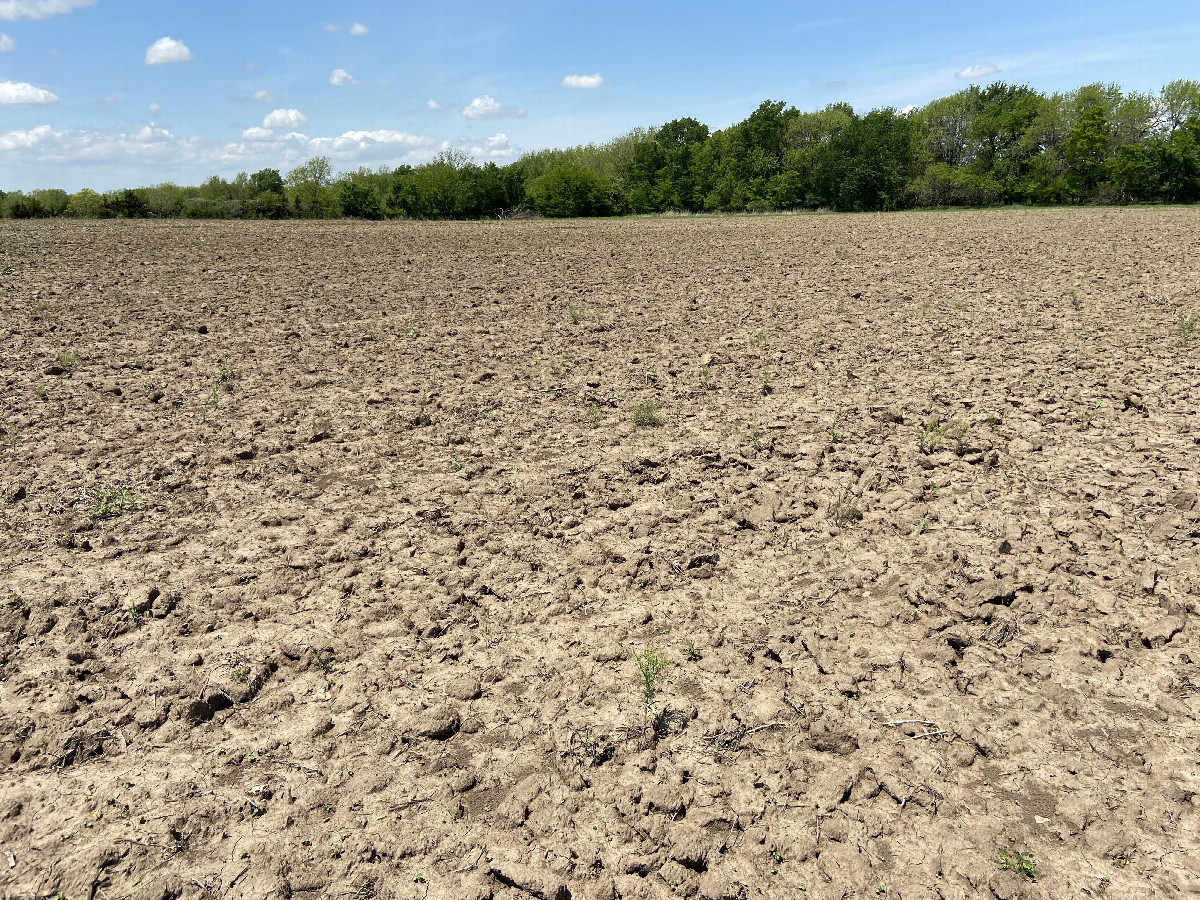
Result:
982,146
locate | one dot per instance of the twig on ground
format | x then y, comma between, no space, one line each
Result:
909,722
917,737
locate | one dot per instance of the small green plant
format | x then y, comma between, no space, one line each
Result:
1186,327
645,414
1021,862
691,652
958,433
835,436
993,419
706,378
595,415
757,340
1083,418
6,270
110,504
68,358
576,314
651,665
931,435
1076,303
844,509
766,386
923,526
224,375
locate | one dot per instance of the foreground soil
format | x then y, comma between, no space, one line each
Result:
330,553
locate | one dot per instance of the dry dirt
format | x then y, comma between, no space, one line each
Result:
329,552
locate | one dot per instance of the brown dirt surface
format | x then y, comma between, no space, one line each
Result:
330,553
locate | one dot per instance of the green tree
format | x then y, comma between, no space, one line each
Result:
310,189
1085,149
571,191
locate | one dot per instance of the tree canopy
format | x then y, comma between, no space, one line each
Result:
981,146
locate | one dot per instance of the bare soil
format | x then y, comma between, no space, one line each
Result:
329,553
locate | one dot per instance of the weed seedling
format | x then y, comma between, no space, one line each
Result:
1076,303
844,509
766,386
1021,863
110,504
958,433
651,665
706,378
931,435
1186,326
67,359
576,314
645,414
835,436
595,415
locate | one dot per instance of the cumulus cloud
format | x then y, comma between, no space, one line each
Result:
358,29
285,118
359,141
264,96
7,43
970,73
341,78
909,110
11,10
257,134
154,108
151,132
167,50
481,108
432,104
500,139
18,93
15,140
487,107
583,81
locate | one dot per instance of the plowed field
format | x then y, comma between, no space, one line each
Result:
334,564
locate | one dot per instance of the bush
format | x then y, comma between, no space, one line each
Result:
567,191
944,185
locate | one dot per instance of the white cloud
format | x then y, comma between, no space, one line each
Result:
154,108
14,140
496,141
970,73
264,96
908,110
7,43
11,10
358,29
285,118
487,107
359,141
341,78
257,134
330,26
167,50
152,132
18,93
432,104
583,81
481,108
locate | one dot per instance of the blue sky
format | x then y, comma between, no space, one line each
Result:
116,93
